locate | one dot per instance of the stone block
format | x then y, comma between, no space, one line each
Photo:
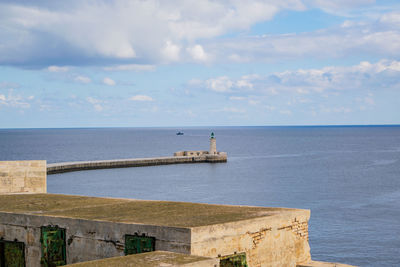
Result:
23,176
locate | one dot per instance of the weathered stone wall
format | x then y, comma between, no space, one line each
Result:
268,241
87,240
276,240
23,176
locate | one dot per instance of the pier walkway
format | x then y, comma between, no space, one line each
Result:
61,167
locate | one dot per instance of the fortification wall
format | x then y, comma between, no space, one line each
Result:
87,240
23,176
268,241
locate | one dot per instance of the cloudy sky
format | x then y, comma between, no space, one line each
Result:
88,63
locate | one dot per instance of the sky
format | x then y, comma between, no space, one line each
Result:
138,63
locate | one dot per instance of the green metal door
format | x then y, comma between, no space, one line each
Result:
235,260
138,244
53,246
12,254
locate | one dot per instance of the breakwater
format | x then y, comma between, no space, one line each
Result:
61,167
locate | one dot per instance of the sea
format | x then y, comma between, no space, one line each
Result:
348,176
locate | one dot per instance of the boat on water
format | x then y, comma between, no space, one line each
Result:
179,133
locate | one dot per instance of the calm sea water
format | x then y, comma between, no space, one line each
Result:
348,176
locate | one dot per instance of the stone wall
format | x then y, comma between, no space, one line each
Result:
268,241
87,240
23,176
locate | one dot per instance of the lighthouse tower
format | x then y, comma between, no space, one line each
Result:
213,145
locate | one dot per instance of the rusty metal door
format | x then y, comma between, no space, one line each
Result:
53,246
138,244
235,260
12,254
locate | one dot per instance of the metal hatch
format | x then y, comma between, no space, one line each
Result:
12,254
53,246
138,244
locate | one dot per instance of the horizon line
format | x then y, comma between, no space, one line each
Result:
209,126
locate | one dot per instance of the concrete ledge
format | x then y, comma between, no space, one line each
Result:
139,162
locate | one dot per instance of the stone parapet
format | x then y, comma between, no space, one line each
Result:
272,240
27,176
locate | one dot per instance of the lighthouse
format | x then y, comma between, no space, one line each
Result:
213,145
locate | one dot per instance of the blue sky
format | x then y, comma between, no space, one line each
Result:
92,63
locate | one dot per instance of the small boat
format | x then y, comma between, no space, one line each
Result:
179,133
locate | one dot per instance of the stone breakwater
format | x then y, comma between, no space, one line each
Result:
61,167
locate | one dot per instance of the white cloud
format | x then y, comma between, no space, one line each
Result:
220,84
336,110
109,81
57,69
302,91
270,108
237,98
141,98
391,18
250,100
96,103
368,100
244,84
142,33
254,102
197,53
82,79
131,67
384,73
15,100
378,37
171,51
124,30
92,100
233,110
308,86
241,85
